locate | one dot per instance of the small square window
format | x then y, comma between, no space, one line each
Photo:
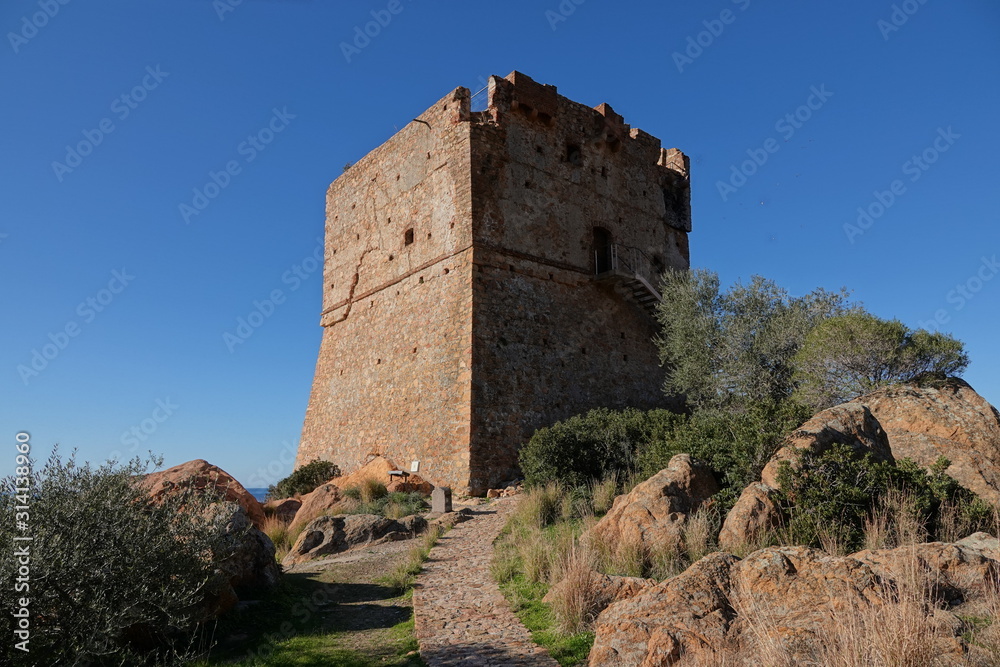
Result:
408,236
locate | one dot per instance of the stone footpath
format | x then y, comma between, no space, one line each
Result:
461,616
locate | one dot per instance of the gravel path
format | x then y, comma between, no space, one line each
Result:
461,616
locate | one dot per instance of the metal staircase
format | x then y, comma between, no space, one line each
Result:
631,268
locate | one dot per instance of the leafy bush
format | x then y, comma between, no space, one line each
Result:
836,493
115,578
735,445
603,443
304,479
854,354
590,447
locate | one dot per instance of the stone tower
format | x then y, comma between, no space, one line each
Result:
488,273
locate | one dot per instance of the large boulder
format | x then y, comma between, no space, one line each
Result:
755,513
956,573
681,616
950,420
317,502
200,475
376,469
284,509
605,589
786,596
328,535
410,483
848,424
653,514
248,563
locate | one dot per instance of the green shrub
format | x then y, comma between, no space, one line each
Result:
832,496
115,578
735,445
393,505
590,447
605,443
303,479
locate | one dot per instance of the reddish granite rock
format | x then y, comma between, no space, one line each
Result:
202,475
753,515
789,595
284,509
849,424
654,512
950,420
315,503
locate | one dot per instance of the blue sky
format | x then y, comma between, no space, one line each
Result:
795,116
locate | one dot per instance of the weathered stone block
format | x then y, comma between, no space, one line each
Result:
441,500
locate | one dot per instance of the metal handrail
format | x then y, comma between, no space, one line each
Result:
633,261
480,100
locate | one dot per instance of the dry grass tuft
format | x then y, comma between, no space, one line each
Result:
540,506
277,530
574,600
371,490
700,529
603,493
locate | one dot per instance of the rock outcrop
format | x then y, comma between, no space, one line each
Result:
284,509
411,483
907,421
653,514
787,595
317,502
848,424
249,558
200,475
328,535
449,520
950,420
377,469
755,513
606,589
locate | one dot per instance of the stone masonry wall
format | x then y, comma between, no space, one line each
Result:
393,375
549,341
460,307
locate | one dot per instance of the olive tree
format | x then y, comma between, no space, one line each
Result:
115,579
735,348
